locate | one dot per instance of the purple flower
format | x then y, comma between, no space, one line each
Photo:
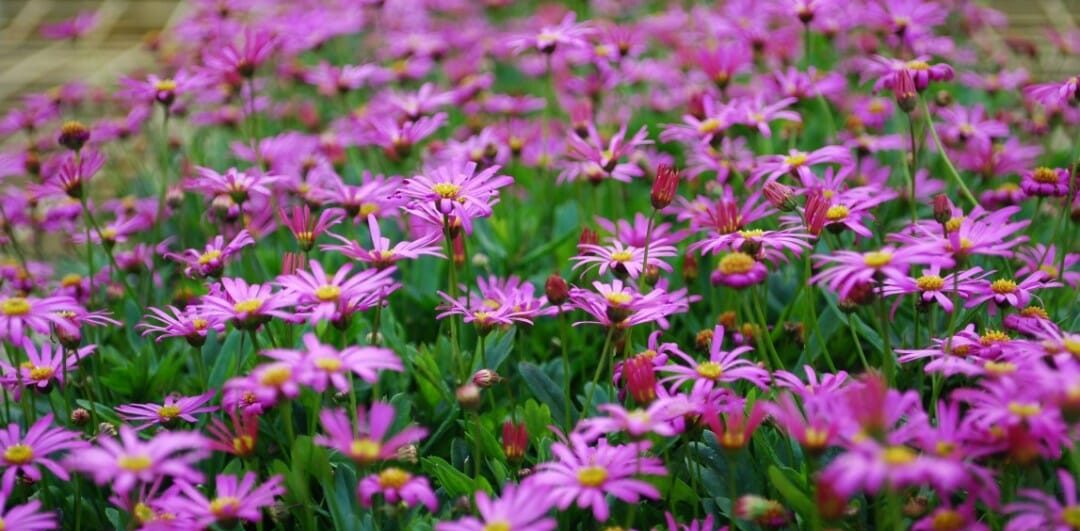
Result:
319,366
521,507
455,186
1045,182
1056,94
623,261
191,323
382,255
45,366
797,163
370,441
585,475
25,517
620,305
921,72
234,499
238,185
397,486
123,463
168,414
931,286
738,270
321,298
850,269
245,305
1007,292
566,34
593,158
23,454
78,26
636,423
20,315
722,366
210,262
1040,510
1045,258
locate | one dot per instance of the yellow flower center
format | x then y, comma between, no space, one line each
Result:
225,505
639,415
165,85
709,126
621,256
736,263
366,209
954,223
947,520
18,454
328,364
15,306
796,160
142,512
492,303
243,444
327,293
751,233
1000,368
365,450
592,476
498,525
393,478
898,455
1003,286
993,336
918,65
1071,515
877,259
134,463
199,323
619,298
1072,346
248,306
446,190
169,412
816,438
1049,270
930,283
944,448
276,375
709,370
877,106
71,280
108,233
1035,311
1024,409
40,372
1045,175
837,213
209,256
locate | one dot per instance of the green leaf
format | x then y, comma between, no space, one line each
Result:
537,418
794,496
544,389
224,361
452,480
498,350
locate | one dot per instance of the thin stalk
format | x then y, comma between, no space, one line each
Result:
452,290
953,174
108,251
566,368
887,359
858,344
599,369
645,255
811,304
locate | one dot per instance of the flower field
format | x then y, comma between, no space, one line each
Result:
485,265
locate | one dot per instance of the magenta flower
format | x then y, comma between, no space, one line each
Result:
585,475
454,186
568,33
263,388
370,441
382,255
738,270
1007,292
20,315
623,260
168,414
319,366
334,80
210,262
74,172
1045,258
44,367
636,423
78,26
715,119
636,232
397,486
521,507
234,61
850,269
245,305
305,229
815,387
871,466
518,298
1045,182
191,323
23,454
797,163
932,287
234,499
759,244
620,305
593,158
321,298
963,124
25,517
1006,403
722,366
921,72
980,232
1039,510
1056,94
125,462
722,63
238,185
757,114
812,425
163,90
396,137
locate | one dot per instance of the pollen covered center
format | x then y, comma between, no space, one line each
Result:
736,264
365,449
592,476
327,293
209,256
930,283
15,306
168,412
393,478
710,370
1045,175
898,455
134,463
877,259
1003,286
18,454
446,190
795,160
837,213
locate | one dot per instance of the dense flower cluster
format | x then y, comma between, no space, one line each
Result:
492,266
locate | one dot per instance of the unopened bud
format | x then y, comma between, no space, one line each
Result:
485,378
665,186
515,440
703,339
106,428
652,275
73,135
556,289
588,237
80,416
762,511
468,396
407,453
904,91
781,197
942,208
943,98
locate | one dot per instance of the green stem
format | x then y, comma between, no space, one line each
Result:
596,375
953,174
108,252
452,290
566,368
858,344
887,359
645,255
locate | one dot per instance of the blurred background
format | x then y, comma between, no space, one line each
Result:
118,40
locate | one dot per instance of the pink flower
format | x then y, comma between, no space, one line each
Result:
23,454
871,466
19,315
521,507
797,163
191,323
45,366
238,185
1039,510
210,262
235,61
620,305
245,305
1056,94
123,463
455,186
932,287
304,228
591,157
566,34
320,298
722,366
319,366
636,423
25,517
1041,257
73,28
850,268
370,441
623,261
738,270
234,499
585,475
757,114
397,486
167,414
382,255
921,72
1007,292
1045,182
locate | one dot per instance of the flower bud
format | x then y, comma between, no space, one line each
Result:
459,250
80,416
816,212
468,396
690,269
943,98
780,196
652,275
762,511
485,378
556,289
106,428
515,440
639,377
942,208
904,91
407,453
665,186
703,340
73,135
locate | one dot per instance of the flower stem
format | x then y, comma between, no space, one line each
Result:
566,368
858,344
945,156
887,359
452,290
645,256
596,375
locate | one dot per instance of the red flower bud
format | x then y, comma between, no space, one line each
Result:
588,237
515,440
905,92
815,213
942,208
556,289
780,196
665,186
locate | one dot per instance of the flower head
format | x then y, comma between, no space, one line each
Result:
370,441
